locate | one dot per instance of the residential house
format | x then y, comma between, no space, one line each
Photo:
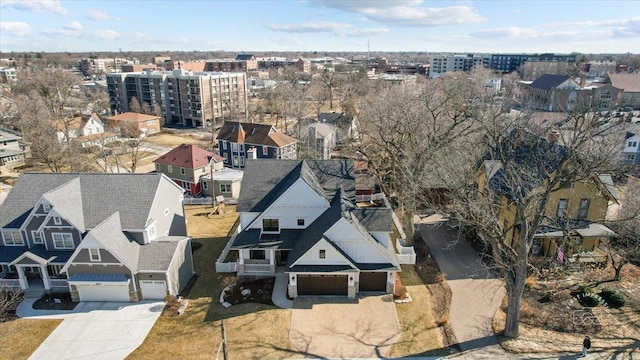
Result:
224,182
300,215
574,212
86,130
630,83
187,164
347,129
561,93
12,154
631,151
102,237
320,140
134,124
240,141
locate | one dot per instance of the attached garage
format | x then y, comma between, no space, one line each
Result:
101,287
153,289
322,284
104,292
373,281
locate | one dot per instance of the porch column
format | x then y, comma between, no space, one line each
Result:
272,261
24,283
45,278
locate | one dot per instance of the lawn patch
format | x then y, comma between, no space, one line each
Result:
19,338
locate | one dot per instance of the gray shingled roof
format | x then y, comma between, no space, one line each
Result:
110,234
67,201
375,219
157,254
549,81
102,195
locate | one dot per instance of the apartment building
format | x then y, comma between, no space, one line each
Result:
185,98
442,64
507,63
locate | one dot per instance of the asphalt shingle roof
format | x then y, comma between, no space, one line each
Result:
188,156
258,134
549,81
157,254
110,234
375,219
628,82
102,195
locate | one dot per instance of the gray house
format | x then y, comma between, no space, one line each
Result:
102,237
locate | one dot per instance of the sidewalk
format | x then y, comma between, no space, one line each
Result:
279,295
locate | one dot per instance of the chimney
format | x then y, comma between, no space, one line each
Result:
553,136
583,80
251,153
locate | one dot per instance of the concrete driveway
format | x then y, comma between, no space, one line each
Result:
337,327
95,330
476,293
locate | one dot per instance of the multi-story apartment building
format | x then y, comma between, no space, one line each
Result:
507,63
185,98
442,64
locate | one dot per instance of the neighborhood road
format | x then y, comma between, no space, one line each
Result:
476,294
95,330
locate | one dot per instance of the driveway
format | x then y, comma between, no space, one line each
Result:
337,327
476,294
95,330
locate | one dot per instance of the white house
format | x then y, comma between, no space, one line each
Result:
88,130
300,214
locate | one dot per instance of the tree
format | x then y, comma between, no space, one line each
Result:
133,147
330,81
439,135
626,247
134,105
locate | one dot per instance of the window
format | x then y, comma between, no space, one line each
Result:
583,211
300,222
562,208
235,161
225,188
46,207
182,172
57,220
186,185
12,238
234,147
151,122
265,151
62,240
94,254
257,254
270,225
169,169
631,156
224,145
37,237
322,254
205,185
157,167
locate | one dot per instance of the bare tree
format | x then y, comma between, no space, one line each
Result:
133,148
330,81
134,105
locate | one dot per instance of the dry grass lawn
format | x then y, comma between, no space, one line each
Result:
421,335
254,331
21,337
172,140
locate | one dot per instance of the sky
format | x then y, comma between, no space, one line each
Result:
482,26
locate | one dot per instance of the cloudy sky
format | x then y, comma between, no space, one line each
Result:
321,25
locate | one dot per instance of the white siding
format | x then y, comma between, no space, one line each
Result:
312,257
92,127
354,244
246,218
299,201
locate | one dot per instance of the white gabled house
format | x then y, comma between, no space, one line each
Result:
301,215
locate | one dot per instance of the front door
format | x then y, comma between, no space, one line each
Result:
282,256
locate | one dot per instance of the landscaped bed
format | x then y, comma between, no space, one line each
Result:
55,301
249,291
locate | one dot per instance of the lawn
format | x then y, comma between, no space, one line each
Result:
21,337
172,140
254,331
420,334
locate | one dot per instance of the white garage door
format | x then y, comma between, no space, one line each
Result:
153,289
104,292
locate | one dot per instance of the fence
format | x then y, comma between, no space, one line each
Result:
223,267
197,201
369,197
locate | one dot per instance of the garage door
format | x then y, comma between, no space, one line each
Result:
322,284
153,289
373,281
102,292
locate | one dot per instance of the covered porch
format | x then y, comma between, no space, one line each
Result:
34,274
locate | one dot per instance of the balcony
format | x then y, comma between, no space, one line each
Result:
255,266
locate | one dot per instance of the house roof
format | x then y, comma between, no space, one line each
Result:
265,180
628,82
133,117
98,278
258,134
332,117
375,219
101,195
67,200
549,81
244,56
157,255
188,156
7,136
109,233
77,122
322,130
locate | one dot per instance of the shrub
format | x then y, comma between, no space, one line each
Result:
531,282
614,298
586,289
589,300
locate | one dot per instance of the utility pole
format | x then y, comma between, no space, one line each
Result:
224,341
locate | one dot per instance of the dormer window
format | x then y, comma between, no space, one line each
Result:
57,220
46,207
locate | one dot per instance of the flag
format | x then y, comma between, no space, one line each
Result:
560,256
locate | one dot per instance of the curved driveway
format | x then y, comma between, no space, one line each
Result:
476,294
